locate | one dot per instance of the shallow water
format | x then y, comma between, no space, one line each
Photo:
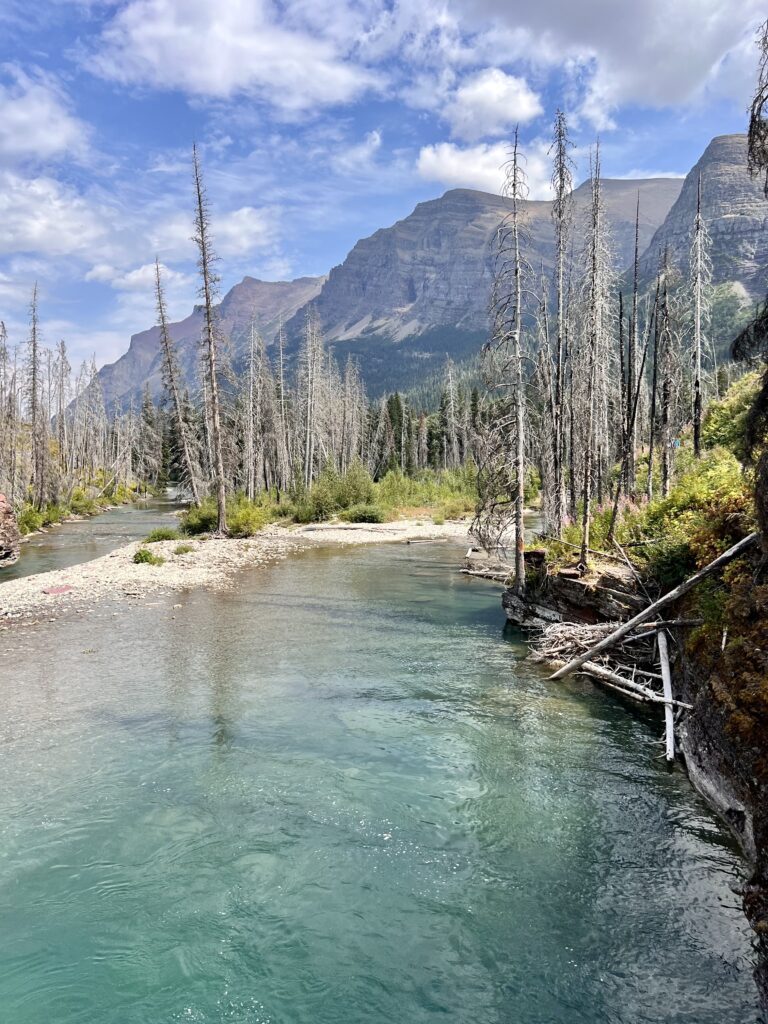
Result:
80,541
337,795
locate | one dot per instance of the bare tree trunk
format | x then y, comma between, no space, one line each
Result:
170,374
208,284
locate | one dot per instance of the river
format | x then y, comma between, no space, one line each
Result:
81,540
337,794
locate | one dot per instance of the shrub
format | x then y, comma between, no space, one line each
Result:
183,549
146,557
244,517
726,419
363,514
162,533
200,518
29,519
81,504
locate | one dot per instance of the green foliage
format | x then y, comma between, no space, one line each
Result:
707,511
726,419
162,533
146,557
363,514
81,504
244,517
332,493
29,519
428,488
183,549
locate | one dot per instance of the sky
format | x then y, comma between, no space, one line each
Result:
317,122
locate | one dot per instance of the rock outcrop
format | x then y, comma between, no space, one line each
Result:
10,538
735,212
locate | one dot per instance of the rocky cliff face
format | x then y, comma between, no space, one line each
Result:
263,302
735,212
424,283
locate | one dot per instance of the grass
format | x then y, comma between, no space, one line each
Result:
183,549
146,557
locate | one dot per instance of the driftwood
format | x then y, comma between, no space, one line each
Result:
669,717
629,687
627,627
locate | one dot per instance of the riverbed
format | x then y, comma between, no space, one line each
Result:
81,540
336,793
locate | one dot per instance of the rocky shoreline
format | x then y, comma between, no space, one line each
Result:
211,562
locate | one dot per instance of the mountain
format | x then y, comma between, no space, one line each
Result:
264,303
423,284
735,212
418,290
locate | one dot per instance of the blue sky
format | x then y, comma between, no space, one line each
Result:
317,123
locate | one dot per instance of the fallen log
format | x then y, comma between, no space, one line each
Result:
627,686
647,613
669,717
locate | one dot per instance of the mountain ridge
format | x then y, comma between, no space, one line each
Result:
412,292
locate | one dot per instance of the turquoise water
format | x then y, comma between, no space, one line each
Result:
336,794
84,539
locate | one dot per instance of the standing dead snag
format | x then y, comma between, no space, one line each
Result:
171,383
501,489
208,282
562,215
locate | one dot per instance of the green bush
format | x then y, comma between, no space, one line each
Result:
29,519
244,517
162,533
183,549
81,504
363,514
146,557
726,419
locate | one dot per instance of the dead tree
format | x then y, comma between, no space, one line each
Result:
209,281
173,390
502,474
701,279
562,215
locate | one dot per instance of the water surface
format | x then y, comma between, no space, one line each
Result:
336,795
83,539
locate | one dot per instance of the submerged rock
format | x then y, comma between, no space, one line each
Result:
10,538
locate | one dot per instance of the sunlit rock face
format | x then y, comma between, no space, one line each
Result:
735,212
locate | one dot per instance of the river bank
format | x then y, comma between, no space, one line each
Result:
208,562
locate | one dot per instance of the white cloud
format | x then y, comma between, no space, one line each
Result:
650,53
490,103
39,215
36,121
482,166
140,279
220,50
358,158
